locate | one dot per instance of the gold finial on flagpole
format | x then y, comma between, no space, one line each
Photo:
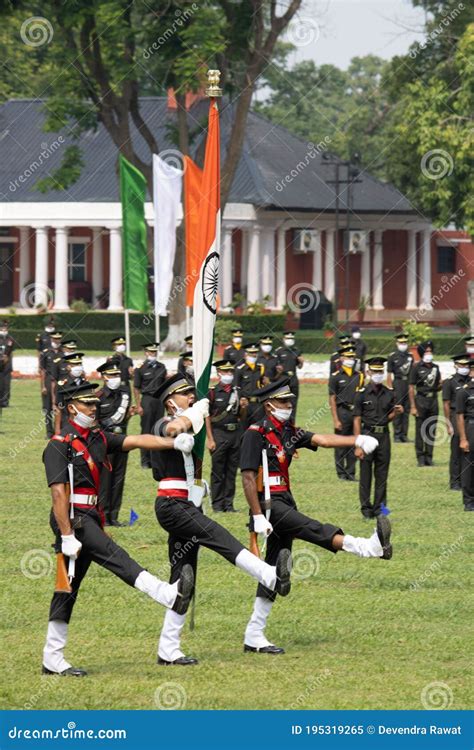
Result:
213,79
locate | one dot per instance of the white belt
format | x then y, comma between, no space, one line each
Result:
172,484
78,499
275,481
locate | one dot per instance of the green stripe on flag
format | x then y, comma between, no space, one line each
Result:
202,389
133,188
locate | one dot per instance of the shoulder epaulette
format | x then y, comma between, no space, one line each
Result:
239,367
256,428
62,382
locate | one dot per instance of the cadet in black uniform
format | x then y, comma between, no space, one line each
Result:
48,366
469,345
178,510
359,345
424,384
289,361
43,339
124,362
277,438
73,375
465,426
187,366
375,407
335,359
344,384
249,376
81,449
7,345
235,352
188,341
450,388
223,427
399,366
268,359
113,413
146,380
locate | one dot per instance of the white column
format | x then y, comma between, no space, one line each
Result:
226,267
377,271
411,271
330,267
115,269
41,267
97,265
24,275
61,270
281,268
244,251
317,264
253,266
425,291
365,273
268,265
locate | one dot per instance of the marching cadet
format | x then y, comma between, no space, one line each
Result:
73,463
335,359
124,362
469,344
74,375
399,366
113,413
188,345
465,426
266,453
7,345
43,339
375,407
146,380
179,513
268,360
48,366
359,345
450,388
424,384
289,361
223,428
344,385
249,376
235,352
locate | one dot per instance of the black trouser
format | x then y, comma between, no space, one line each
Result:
467,466
188,528
112,484
225,462
96,547
376,464
47,406
425,424
153,410
455,458
400,422
288,524
344,457
5,385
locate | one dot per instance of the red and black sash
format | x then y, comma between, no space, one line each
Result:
81,448
275,441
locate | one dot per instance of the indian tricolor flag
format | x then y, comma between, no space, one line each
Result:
208,246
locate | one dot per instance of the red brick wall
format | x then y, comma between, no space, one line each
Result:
299,266
395,248
452,293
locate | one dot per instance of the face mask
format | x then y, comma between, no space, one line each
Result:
266,348
151,357
402,347
83,420
470,349
189,370
237,340
251,359
463,370
49,329
77,371
226,379
3,333
113,383
120,348
289,342
377,378
427,357
348,362
283,415
55,344
356,336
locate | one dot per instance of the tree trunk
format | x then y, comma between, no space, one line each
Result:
470,302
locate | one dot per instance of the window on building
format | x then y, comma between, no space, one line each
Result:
446,259
77,261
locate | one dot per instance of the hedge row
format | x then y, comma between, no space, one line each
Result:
90,321
313,342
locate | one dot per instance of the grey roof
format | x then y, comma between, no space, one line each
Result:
276,169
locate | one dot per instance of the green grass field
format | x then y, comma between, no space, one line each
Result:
359,634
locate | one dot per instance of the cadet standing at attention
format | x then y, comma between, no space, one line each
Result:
123,361
43,339
48,366
359,345
399,366
235,352
335,358
289,361
450,389
248,379
188,345
465,418
268,360
424,384
73,375
7,345
146,380
344,385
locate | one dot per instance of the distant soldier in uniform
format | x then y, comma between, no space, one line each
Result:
289,361
67,347
450,389
79,453
188,345
146,380
375,407
344,385
179,513
276,439
359,345
249,377
73,375
43,339
465,426
113,413
424,384
223,427
335,359
268,359
7,345
469,345
187,365
235,352
48,366
399,366
124,362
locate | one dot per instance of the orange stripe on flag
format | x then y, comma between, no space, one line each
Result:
192,197
210,191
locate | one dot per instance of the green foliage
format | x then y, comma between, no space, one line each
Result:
253,326
79,306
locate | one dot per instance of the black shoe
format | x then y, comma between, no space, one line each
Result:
368,513
428,461
117,523
398,439
265,649
456,487
70,672
384,530
351,478
145,466
231,510
469,506
421,461
183,661
185,590
283,572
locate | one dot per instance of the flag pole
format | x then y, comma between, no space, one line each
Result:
188,320
127,330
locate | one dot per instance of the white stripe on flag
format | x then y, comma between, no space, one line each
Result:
167,182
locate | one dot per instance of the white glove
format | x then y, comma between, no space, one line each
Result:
70,546
367,443
184,442
197,414
261,525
